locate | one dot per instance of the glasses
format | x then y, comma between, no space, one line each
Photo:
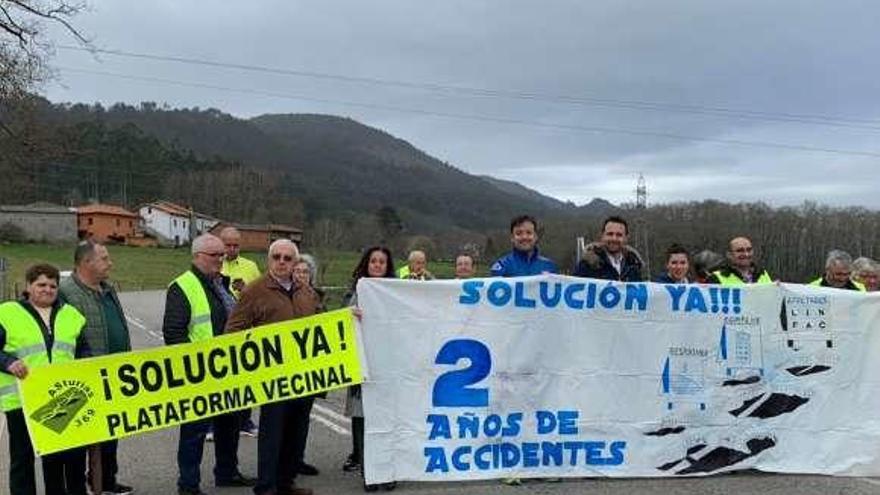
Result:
212,255
286,257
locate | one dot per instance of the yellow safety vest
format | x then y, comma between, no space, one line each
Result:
732,279
24,340
859,286
403,272
200,326
242,268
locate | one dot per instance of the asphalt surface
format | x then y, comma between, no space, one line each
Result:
147,462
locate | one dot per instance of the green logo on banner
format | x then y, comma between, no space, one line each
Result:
67,399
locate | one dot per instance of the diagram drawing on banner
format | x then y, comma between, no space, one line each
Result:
550,376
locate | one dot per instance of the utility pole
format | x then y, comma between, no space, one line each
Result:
642,241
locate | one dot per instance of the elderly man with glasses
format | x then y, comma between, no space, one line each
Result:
197,305
740,267
273,298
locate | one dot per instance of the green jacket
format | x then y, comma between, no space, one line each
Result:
88,302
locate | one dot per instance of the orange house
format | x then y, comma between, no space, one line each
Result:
106,223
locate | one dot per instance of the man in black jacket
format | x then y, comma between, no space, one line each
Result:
196,307
611,258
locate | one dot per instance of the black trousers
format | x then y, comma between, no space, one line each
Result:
64,473
281,443
109,465
191,445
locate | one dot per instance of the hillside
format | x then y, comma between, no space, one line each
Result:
333,166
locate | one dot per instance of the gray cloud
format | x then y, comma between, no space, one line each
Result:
768,59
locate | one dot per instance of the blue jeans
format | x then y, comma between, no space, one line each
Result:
191,446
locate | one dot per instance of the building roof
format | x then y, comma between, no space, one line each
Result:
176,209
37,208
103,209
258,227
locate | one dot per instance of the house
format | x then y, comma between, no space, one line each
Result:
258,237
106,223
172,224
40,222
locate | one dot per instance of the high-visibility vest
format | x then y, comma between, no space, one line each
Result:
242,268
200,326
24,340
403,272
859,286
733,279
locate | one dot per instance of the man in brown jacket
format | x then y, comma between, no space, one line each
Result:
270,299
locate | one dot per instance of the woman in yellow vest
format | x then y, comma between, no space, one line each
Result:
35,331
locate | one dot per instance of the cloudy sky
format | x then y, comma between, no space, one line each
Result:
741,100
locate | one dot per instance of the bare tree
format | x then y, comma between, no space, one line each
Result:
24,47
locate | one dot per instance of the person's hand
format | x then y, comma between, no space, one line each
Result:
358,313
18,368
238,284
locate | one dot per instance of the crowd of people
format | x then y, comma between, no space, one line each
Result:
61,320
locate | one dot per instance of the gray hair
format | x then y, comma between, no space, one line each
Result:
865,264
415,253
282,242
84,251
312,263
838,257
707,261
198,244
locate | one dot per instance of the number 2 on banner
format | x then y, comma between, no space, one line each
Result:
452,388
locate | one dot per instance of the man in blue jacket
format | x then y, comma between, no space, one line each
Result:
524,259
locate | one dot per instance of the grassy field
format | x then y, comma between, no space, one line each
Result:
152,268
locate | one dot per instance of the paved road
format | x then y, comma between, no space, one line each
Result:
148,461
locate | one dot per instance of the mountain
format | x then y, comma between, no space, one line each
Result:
527,194
333,166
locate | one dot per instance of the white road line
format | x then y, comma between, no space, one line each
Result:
135,322
331,413
330,424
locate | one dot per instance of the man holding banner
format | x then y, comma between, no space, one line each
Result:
105,331
283,425
196,307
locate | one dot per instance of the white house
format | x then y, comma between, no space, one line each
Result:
170,223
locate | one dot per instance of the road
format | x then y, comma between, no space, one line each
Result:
147,462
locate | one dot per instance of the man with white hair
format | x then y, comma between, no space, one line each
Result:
273,298
838,269
416,267
196,308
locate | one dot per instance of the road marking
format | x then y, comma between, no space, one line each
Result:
330,424
136,322
331,413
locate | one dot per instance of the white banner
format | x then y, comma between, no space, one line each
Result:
560,376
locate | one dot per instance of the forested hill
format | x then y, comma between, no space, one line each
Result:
322,166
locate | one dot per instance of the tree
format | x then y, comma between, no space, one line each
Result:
390,224
24,48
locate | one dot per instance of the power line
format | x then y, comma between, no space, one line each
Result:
717,111
484,118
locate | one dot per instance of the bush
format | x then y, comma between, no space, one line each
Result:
9,232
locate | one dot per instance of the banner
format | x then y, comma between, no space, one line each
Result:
553,376
93,400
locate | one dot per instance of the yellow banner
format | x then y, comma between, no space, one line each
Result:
93,400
